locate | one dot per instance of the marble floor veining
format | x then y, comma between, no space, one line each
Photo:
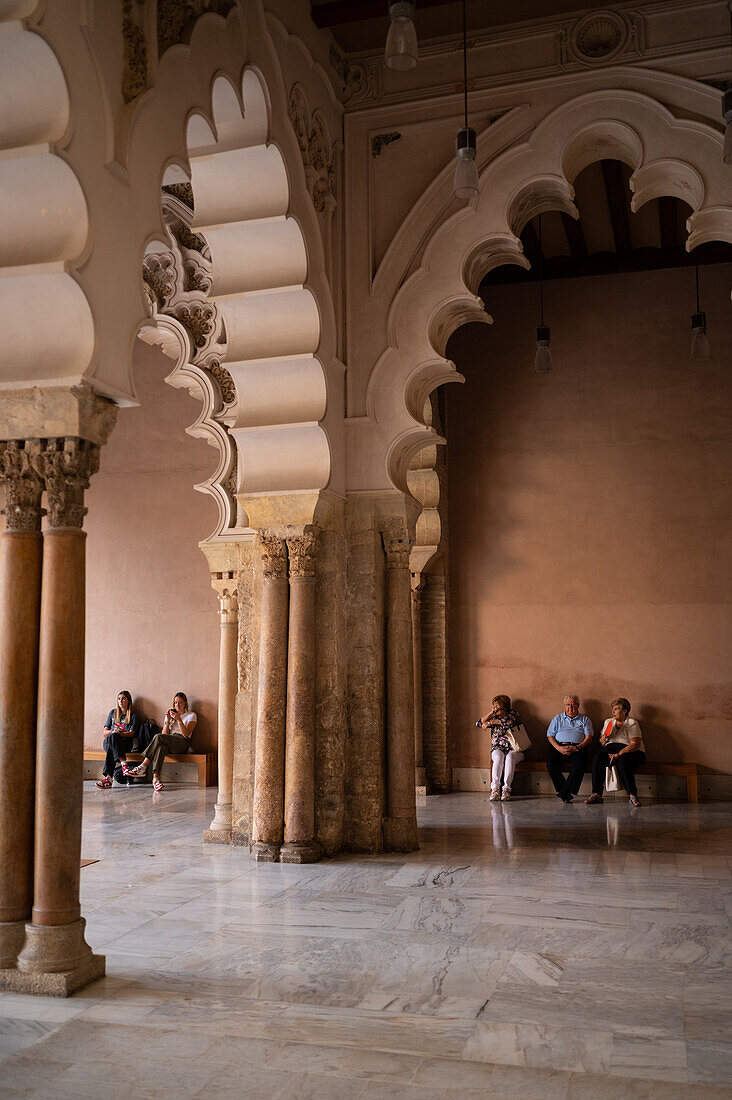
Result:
529,949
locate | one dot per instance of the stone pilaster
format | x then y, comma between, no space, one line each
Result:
269,766
420,780
225,586
400,824
300,846
56,957
21,556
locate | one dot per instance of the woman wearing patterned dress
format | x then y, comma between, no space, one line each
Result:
500,721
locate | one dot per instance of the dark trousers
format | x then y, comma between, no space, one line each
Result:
117,748
556,765
626,765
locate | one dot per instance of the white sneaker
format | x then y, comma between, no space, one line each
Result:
495,796
506,796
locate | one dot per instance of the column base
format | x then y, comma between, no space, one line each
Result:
301,853
239,837
420,777
12,939
55,961
400,834
265,853
217,836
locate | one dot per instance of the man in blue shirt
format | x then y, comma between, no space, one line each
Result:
569,736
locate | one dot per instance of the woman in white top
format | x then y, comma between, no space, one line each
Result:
621,747
175,737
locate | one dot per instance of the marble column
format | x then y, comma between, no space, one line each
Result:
224,584
400,824
300,846
420,780
21,554
56,957
268,811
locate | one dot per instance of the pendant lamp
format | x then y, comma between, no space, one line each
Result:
402,52
543,358
466,171
700,350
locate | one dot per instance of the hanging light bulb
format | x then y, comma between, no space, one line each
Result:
402,52
543,358
727,109
465,185
700,350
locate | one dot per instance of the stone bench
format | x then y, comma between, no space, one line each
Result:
205,762
480,779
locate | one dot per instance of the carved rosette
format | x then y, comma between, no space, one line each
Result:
66,466
225,587
23,487
274,554
397,552
303,553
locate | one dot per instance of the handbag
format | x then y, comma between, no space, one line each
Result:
519,738
612,780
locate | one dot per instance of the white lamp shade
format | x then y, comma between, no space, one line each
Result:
402,52
466,176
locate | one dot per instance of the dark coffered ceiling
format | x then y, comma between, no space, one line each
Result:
360,25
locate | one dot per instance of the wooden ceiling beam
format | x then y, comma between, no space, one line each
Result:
617,202
575,237
668,222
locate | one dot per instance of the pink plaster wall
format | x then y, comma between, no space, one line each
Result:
152,618
590,513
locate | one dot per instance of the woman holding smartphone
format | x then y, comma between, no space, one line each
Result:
175,737
501,721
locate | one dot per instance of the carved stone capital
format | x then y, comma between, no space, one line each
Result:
303,553
23,487
225,587
397,552
274,554
66,466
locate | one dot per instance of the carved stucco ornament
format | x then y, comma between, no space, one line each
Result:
23,486
601,36
173,21
316,151
177,282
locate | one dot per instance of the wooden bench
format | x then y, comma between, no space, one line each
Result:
689,771
205,761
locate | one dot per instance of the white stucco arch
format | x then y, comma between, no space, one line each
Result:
218,111
668,155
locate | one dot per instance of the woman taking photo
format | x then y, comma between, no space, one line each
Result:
120,729
175,737
621,747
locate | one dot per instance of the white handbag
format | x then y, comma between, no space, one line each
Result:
612,780
519,738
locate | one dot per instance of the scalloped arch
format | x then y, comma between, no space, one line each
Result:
668,156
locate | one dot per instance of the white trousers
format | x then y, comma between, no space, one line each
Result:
503,764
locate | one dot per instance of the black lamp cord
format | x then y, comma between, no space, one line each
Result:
465,59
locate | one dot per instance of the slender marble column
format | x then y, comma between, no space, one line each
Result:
224,584
400,824
420,780
55,947
21,554
300,846
269,752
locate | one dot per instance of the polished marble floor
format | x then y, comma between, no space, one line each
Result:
527,950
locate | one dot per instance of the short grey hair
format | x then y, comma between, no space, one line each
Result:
576,698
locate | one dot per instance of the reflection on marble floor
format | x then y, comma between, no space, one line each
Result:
529,949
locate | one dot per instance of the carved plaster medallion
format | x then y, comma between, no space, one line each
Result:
316,151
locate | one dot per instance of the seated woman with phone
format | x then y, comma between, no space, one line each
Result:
175,737
505,725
